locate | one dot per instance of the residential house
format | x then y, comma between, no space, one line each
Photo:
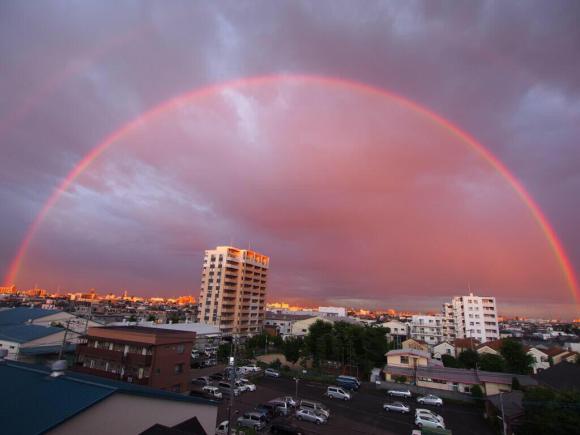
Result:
509,407
300,327
58,402
541,360
443,348
462,344
564,376
491,347
398,331
284,322
416,344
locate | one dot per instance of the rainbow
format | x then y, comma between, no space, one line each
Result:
537,214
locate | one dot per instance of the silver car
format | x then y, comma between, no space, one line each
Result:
310,415
253,420
397,407
272,373
428,412
430,399
399,393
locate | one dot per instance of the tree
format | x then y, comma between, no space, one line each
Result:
151,318
516,358
449,361
477,394
491,363
468,359
291,349
516,384
549,412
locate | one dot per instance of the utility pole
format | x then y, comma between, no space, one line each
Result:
502,413
61,351
296,379
232,382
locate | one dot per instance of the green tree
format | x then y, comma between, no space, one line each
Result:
548,412
151,318
516,384
449,361
313,340
491,363
468,359
292,348
477,394
516,358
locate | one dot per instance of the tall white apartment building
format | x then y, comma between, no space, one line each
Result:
427,328
233,290
471,317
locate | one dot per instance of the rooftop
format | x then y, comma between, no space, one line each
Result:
563,376
51,401
19,315
25,333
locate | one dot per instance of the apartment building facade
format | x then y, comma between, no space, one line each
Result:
471,317
155,357
233,290
427,328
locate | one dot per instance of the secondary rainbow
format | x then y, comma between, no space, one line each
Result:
174,102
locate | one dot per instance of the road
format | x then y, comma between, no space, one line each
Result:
362,414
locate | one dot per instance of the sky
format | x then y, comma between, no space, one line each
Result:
359,198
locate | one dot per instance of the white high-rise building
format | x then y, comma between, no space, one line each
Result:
471,317
233,290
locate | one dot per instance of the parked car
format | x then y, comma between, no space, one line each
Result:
272,373
337,393
246,385
310,415
212,392
285,428
348,382
397,407
267,410
315,406
226,388
428,421
250,368
253,420
216,376
430,399
430,413
399,393
289,400
203,380
222,428
282,408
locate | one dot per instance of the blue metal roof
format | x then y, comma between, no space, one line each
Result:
25,333
36,402
20,315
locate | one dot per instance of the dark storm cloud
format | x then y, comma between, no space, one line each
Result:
508,73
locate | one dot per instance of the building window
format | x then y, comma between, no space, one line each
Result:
404,359
178,369
180,348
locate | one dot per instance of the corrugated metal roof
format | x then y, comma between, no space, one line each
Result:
19,315
25,333
36,402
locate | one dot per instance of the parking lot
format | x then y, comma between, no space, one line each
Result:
362,414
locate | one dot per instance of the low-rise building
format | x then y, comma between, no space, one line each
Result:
398,331
443,348
156,357
332,311
23,342
63,402
413,343
300,327
284,322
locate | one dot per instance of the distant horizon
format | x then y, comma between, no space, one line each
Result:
517,310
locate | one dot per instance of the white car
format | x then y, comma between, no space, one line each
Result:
424,420
272,373
310,415
429,413
222,429
250,368
289,400
399,393
430,399
213,392
246,385
397,407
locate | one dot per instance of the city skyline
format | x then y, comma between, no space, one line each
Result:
389,163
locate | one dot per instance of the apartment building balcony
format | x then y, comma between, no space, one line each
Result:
135,359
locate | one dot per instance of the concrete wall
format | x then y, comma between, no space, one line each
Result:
123,414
